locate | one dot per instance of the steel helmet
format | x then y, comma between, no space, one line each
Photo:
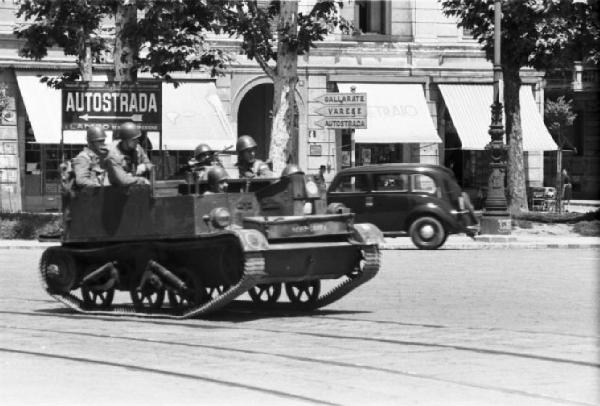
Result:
290,170
216,174
95,134
129,131
202,149
245,142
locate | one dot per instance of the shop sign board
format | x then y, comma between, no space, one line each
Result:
109,104
343,110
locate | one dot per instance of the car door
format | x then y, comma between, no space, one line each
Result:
352,191
390,200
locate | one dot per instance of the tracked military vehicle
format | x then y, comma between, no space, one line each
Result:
180,252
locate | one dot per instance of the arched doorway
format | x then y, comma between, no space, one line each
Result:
255,116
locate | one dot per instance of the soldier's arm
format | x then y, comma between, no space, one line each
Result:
144,163
84,177
118,176
264,171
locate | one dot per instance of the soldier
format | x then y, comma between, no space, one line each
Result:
127,162
88,165
204,159
247,164
217,180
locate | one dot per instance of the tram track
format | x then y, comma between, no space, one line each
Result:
369,339
165,372
355,367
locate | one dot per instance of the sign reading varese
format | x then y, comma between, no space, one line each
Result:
343,110
108,104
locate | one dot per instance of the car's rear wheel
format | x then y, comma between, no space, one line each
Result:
427,233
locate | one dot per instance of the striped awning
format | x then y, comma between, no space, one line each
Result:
396,113
469,108
192,114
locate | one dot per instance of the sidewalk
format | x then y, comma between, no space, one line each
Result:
462,242
454,242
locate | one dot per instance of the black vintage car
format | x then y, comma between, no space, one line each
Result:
421,200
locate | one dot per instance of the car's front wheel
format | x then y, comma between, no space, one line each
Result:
427,233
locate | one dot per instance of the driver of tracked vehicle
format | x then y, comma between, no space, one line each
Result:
127,162
204,158
247,164
217,180
88,165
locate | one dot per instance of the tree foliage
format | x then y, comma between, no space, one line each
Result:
559,115
541,34
257,25
168,36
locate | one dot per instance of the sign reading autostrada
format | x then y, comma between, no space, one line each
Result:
343,110
108,104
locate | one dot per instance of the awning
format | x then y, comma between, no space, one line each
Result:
396,113
191,114
43,105
469,107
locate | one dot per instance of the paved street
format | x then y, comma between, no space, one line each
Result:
448,327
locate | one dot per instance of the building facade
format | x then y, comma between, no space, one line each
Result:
427,83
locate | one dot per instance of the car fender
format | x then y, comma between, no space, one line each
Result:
434,210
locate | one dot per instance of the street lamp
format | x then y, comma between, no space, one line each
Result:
496,219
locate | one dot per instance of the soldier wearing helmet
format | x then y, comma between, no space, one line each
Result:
204,158
88,165
247,164
127,162
217,180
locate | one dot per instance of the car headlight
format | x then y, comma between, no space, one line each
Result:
307,208
220,217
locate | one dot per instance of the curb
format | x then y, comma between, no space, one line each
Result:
480,244
494,245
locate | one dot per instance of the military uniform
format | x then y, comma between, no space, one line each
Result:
257,169
121,166
88,170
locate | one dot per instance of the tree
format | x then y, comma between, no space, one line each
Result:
296,33
167,36
559,115
538,34
72,25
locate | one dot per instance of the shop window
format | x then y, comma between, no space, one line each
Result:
423,183
397,182
378,153
353,183
371,16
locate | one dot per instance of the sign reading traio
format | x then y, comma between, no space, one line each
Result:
343,110
109,104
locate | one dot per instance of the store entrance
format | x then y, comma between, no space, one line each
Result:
368,154
255,117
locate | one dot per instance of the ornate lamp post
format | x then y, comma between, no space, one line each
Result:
496,219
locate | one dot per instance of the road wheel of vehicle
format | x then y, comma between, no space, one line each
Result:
213,292
265,293
148,293
97,298
427,233
305,292
192,295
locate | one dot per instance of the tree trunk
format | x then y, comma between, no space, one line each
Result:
84,57
125,47
283,130
517,194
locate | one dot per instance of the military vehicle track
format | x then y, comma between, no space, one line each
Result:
253,274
